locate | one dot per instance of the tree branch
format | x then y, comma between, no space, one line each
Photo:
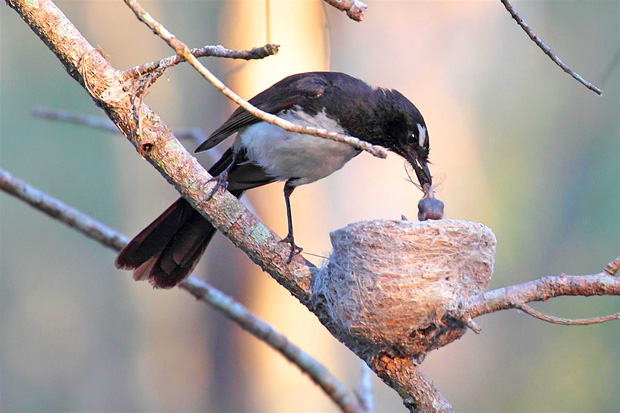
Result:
194,135
206,51
354,8
195,286
77,119
418,392
62,212
154,141
567,321
183,50
546,49
542,289
263,331
613,267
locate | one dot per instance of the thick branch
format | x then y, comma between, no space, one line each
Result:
417,391
183,50
157,145
195,286
354,8
153,139
546,49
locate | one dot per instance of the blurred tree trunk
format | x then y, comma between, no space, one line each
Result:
299,26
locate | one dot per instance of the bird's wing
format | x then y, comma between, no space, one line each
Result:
291,91
243,175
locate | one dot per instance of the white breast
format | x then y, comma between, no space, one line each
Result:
287,155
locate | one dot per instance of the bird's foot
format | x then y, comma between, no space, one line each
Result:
294,248
221,181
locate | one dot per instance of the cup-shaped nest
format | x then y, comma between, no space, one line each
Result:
388,284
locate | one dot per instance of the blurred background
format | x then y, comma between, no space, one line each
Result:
524,149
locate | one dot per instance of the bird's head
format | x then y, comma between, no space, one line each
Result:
407,135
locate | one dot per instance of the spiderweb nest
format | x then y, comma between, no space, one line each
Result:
387,284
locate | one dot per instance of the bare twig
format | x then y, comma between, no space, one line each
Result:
469,322
183,50
195,286
194,135
613,267
546,49
354,8
94,122
263,331
567,321
62,212
206,51
541,289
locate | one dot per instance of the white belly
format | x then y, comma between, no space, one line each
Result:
286,155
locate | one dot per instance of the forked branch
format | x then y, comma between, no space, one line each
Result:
542,289
206,51
184,51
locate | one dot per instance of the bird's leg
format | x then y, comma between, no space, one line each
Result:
288,190
221,181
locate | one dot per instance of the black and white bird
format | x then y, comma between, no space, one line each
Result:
166,251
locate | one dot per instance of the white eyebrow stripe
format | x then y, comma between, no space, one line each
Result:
422,135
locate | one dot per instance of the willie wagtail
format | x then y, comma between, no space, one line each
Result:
168,249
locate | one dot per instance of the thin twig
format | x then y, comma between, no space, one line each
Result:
94,122
354,8
206,51
195,286
62,212
547,50
567,321
263,331
194,135
183,50
469,322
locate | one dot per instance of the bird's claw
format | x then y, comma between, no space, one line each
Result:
294,248
221,181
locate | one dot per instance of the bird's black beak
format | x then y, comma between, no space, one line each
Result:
421,170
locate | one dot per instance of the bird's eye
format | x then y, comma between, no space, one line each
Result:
421,135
